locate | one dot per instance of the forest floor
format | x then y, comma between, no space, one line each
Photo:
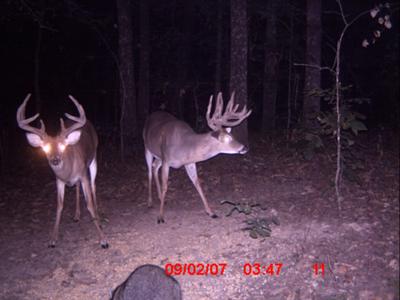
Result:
313,253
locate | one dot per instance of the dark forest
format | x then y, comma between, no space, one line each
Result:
304,94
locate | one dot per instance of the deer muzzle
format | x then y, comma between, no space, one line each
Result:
55,161
244,150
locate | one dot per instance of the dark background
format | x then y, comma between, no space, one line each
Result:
79,51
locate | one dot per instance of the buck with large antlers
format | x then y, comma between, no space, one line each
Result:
72,156
170,142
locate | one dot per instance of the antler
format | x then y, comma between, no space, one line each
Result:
231,116
24,123
80,121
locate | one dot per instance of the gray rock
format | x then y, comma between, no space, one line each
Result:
148,282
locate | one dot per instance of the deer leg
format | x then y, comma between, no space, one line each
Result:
164,182
149,162
77,208
92,210
156,168
191,170
93,173
60,205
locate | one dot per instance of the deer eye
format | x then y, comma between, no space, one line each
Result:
61,147
46,148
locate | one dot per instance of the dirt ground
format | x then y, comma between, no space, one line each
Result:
358,250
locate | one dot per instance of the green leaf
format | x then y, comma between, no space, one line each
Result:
357,126
253,234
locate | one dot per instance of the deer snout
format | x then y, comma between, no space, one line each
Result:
244,150
55,161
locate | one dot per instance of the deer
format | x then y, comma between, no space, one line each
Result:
170,142
71,155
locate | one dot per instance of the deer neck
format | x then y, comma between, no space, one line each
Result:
202,146
69,169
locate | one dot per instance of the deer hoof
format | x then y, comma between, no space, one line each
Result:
104,245
76,219
52,244
214,216
160,220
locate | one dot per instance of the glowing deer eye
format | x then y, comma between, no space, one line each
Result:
61,147
226,138
46,148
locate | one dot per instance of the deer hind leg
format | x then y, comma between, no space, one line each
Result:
164,188
191,170
156,168
149,162
60,205
93,174
77,215
92,210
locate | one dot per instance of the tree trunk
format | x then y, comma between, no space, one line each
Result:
290,69
271,64
311,104
218,52
128,125
238,61
36,76
144,77
181,93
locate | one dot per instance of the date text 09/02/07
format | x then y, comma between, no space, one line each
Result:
248,269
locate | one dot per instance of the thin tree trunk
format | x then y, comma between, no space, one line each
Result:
218,54
144,77
271,63
290,73
177,104
36,76
238,61
311,104
128,125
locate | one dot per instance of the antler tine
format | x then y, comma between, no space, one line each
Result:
24,123
209,119
240,116
214,122
80,121
230,103
62,125
218,106
231,116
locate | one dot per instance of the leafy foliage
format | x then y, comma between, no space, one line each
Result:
257,227
352,123
260,227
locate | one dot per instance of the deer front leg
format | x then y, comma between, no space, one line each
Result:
164,182
77,215
60,205
191,170
92,210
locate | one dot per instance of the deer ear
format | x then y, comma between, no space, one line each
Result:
34,140
73,137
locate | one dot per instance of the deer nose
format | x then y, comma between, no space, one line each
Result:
244,150
55,161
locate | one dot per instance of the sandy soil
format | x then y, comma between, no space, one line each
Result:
359,250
